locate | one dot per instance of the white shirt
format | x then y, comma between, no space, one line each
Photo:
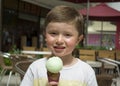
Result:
79,74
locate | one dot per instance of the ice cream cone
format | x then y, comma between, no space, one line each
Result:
54,65
53,76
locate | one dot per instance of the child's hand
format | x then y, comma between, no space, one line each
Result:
52,83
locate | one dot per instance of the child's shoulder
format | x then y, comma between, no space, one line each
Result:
39,62
84,65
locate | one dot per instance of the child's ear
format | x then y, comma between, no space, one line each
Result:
80,39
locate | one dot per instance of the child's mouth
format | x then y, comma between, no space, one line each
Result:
59,48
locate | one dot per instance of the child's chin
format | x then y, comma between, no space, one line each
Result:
59,55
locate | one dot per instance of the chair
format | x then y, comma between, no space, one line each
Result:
23,41
107,78
106,54
107,69
104,79
34,41
117,52
5,68
20,63
29,48
87,55
22,66
46,49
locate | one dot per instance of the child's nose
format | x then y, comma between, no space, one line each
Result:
59,39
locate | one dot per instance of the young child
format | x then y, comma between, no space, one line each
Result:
63,31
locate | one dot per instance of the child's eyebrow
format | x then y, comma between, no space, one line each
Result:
53,30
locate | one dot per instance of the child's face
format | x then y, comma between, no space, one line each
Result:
61,38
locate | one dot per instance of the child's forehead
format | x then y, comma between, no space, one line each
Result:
61,27
60,24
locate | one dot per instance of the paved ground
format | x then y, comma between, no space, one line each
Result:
14,81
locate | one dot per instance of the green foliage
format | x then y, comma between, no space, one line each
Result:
15,50
7,61
39,56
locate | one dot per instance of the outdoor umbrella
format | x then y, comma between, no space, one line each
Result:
102,12
84,1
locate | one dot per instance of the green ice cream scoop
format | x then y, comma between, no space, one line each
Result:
54,64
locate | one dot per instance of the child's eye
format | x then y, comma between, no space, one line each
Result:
53,33
68,35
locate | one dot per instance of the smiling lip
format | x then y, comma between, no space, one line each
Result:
57,47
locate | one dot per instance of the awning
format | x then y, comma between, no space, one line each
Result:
84,1
102,12
52,3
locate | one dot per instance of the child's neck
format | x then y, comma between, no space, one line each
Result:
69,61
